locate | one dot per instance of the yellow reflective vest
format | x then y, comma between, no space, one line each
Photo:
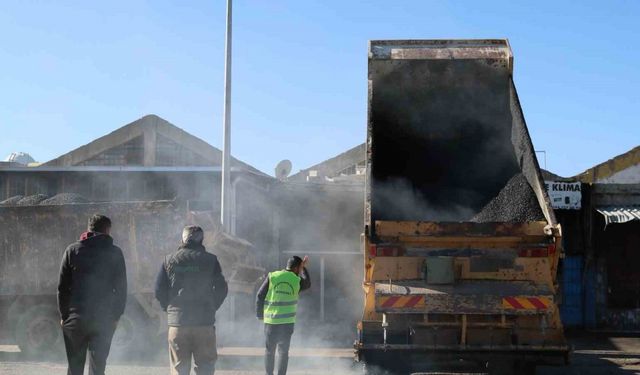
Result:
281,302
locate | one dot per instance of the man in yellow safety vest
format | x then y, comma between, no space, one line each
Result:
276,304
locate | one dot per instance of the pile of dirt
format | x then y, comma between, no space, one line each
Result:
31,200
11,201
516,203
65,198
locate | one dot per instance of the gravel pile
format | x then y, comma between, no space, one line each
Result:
516,203
31,200
65,198
11,201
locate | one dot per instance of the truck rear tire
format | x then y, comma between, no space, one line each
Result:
368,369
133,337
14,313
38,332
525,368
388,365
515,367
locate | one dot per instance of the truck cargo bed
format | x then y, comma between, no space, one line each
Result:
446,133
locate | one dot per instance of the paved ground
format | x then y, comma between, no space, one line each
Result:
51,369
233,361
593,354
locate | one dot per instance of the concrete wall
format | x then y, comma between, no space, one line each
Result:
630,175
616,194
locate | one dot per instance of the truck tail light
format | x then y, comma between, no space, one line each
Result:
385,250
372,250
534,252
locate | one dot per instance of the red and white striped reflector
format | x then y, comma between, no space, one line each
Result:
398,302
526,303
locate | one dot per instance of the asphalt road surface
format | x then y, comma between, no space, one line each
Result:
593,354
55,369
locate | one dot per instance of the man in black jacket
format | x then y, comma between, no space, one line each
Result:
190,288
92,293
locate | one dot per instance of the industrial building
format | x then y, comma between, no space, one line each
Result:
150,159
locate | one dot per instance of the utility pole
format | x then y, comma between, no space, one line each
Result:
545,157
225,216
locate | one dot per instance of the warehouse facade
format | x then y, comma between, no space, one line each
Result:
152,161
149,147
611,254
148,159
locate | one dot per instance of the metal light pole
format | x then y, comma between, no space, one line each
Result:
545,157
225,216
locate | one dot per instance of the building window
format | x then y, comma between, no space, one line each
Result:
16,185
170,153
129,153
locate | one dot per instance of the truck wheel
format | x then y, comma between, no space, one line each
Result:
14,313
525,368
369,369
514,367
38,331
132,337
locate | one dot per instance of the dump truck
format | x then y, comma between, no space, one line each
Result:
445,136
33,239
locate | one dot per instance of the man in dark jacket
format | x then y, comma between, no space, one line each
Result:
190,288
92,293
277,305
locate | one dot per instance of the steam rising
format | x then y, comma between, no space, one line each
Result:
441,138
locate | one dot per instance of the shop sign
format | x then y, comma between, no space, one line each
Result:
564,195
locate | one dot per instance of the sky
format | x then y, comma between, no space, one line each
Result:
71,71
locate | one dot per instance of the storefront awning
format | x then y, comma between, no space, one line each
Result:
619,214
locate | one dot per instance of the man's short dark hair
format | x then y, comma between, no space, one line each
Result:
99,223
294,262
192,234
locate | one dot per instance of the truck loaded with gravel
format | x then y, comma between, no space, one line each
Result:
35,233
461,245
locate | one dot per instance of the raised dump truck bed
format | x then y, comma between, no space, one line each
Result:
447,148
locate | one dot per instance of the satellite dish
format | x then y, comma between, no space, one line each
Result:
283,169
19,158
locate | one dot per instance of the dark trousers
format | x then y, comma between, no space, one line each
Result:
81,335
277,336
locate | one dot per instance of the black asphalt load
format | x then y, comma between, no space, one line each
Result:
65,198
515,203
41,199
31,200
431,163
11,201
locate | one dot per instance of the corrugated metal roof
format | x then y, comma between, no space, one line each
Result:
619,214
